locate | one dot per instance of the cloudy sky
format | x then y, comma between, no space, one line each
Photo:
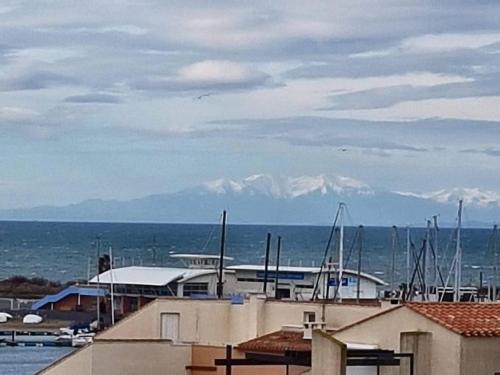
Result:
124,98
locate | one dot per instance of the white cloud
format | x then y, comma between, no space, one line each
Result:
124,29
471,108
435,43
217,71
17,114
43,55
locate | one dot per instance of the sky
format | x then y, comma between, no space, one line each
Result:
119,99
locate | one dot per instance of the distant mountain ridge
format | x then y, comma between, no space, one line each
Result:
265,199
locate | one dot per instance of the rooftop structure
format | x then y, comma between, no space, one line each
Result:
200,260
448,338
77,292
466,319
280,341
150,276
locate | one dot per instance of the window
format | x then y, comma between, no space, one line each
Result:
309,316
195,288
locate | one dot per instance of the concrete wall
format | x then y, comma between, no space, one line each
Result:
125,358
329,355
480,355
385,331
420,344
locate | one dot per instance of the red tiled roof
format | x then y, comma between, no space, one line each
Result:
278,342
467,319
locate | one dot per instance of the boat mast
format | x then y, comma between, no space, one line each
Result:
393,257
341,250
436,254
276,275
266,262
495,262
458,261
408,256
112,286
426,257
98,250
220,283
358,286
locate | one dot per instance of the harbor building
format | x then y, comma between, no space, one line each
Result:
299,283
136,285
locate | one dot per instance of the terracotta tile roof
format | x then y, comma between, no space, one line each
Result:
467,319
278,342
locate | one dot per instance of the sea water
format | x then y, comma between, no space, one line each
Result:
67,251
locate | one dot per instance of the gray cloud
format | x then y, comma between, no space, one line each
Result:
93,98
35,80
388,96
485,151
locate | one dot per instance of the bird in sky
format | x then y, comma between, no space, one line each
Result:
204,96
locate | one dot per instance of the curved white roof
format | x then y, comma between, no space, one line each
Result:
151,276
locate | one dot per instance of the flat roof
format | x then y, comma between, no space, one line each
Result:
199,256
260,267
152,276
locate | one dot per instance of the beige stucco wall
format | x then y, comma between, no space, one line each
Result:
385,331
143,324
76,363
214,322
480,355
125,358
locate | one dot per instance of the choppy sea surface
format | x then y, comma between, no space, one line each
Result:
28,360
67,251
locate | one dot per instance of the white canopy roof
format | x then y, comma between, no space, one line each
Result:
152,276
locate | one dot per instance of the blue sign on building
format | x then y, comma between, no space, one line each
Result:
346,281
282,275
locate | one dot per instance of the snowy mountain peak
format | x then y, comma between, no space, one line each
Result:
470,196
288,187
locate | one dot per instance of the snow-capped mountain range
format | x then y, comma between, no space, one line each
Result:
269,199
288,187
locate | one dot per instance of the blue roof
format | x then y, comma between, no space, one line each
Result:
53,298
